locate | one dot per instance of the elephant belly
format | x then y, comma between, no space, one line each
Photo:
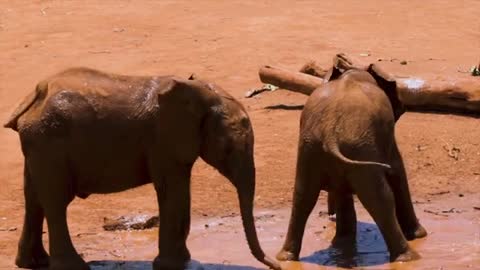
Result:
115,174
108,157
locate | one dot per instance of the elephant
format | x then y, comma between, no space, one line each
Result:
85,131
347,146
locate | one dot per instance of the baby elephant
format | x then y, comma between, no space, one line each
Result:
84,131
347,146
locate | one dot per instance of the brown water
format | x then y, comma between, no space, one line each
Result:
218,243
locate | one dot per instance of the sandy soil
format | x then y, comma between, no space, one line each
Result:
226,42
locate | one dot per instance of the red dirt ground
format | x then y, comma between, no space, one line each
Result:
227,41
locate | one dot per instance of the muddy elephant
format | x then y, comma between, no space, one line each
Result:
347,146
84,131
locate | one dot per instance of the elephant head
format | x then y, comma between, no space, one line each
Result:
383,80
227,145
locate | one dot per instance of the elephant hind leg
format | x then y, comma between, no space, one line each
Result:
306,191
403,203
31,253
331,204
376,196
54,191
346,228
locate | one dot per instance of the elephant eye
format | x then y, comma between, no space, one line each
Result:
245,123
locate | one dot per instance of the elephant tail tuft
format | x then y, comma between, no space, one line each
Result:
335,150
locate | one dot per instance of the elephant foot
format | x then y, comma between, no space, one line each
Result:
285,255
35,259
418,232
170,264
408,255
74,262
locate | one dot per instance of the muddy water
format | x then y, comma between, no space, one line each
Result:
218,243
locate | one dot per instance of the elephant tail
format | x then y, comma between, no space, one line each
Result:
25,104
335,150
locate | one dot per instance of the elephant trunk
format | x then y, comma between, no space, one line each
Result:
246,196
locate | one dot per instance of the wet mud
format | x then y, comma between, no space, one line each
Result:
453,242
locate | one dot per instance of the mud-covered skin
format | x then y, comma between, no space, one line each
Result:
84,131
347,146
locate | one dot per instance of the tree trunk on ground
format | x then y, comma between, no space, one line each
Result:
293,81
459,95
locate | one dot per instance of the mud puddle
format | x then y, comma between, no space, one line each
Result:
218,243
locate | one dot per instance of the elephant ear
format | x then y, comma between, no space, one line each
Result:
185,96
389,86
193,76
333,74
341,64
209,86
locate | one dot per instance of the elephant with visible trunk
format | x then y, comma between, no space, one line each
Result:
347,146
83,131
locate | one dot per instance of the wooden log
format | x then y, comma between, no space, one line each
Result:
308,79
312,68
456,95
293,81
341,61
443,94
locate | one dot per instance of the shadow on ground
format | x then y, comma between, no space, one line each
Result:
147,265
285,107
409,109
369,250
450,111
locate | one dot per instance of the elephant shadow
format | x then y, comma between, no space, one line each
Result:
450,111
369,250
285,107
147,265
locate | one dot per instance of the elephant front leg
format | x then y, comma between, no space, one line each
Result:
173,194
307,189
346,227
31,253
403,203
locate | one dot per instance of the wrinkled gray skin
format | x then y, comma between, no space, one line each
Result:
347,146
83,131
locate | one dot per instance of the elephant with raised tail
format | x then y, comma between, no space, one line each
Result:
83,131
347,146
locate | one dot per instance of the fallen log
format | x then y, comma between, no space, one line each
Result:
293,81
451,95
456,95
